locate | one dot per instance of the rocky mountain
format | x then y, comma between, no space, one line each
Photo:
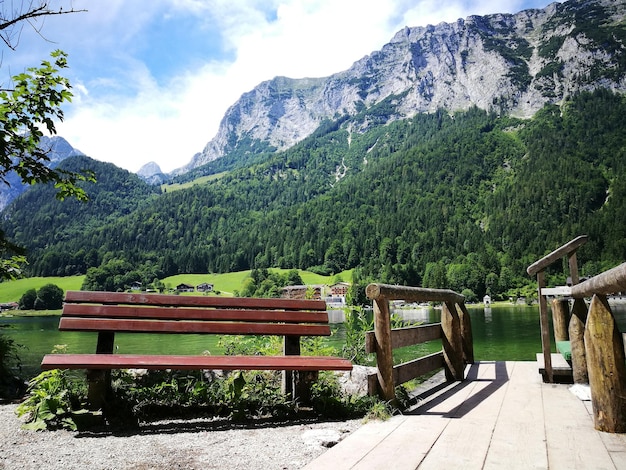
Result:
151,173
57,149
509,63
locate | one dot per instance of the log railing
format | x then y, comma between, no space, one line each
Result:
538,268
454,330
604,350
596,343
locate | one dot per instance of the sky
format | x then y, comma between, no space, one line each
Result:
153,79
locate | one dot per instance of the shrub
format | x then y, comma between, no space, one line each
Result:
53,401
27,301
469,295
51,297
357,324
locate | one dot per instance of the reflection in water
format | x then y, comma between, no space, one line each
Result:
336,316
487,314
422,314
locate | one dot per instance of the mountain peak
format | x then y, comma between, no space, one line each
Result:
151,173
149,169
507,63
57,149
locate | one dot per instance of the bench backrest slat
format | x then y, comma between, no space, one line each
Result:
178,313
191,301
155,313
157,326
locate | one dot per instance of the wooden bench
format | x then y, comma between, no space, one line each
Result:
109,313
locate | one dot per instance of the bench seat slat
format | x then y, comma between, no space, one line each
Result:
137,361
191,301
160,326
176,313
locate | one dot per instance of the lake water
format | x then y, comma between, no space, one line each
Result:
500,333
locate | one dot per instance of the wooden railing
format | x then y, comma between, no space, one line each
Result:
538,268
597,345
455,331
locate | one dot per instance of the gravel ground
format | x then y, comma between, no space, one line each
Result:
189,444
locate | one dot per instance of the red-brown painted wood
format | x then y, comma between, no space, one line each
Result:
159,326
110,312
134,361
193,313
191,300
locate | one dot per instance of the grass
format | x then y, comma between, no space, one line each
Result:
227,283
170,187
12,291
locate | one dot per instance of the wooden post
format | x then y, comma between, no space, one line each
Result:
466,334
576,337
606,366
573,268
384,352
560,319
545,329
452,342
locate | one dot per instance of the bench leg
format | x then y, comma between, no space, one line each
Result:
297,384
99,391
99,381
291,347
304,382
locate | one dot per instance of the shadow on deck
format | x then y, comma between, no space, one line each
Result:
501,416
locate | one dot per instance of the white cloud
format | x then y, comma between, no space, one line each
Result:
130,118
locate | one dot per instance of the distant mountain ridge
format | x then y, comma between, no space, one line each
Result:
510,63
57,149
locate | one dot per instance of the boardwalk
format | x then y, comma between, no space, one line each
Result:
502,417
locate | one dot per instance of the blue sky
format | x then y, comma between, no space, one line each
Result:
152,79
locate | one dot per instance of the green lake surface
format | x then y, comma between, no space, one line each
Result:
500,333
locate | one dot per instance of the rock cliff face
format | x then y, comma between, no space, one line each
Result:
151,173
512,64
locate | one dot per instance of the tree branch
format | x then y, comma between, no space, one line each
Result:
31,14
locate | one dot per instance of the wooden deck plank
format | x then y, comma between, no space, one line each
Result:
470,426
615,444
448,397
572,441
359,444
409,443
518,440
504,416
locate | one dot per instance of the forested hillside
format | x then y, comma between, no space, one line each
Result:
39,221
461,201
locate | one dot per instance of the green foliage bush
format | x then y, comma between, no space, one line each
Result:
56,399
357,323
53,401
48,297
27,301
264,282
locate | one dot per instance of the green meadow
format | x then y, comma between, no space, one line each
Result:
170,187
11,291
226,284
